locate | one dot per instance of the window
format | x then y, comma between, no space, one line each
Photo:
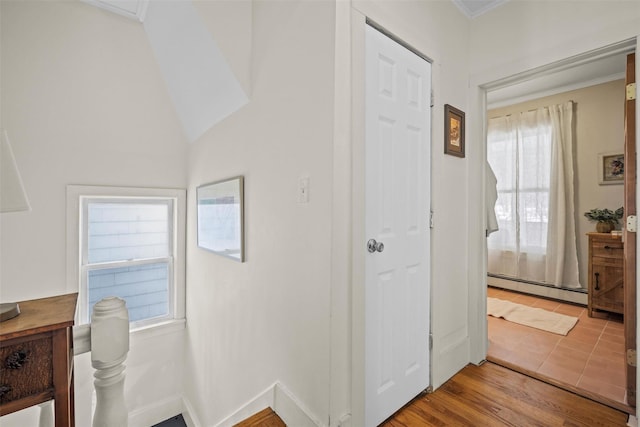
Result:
519,152
531,156
520,156
130,244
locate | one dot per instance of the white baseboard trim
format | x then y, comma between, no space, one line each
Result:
276,397
189,414
291,410
450,354
543,291
344,421
263,400
156,413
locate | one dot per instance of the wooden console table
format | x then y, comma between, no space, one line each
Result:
36,357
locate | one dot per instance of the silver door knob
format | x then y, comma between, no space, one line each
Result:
373,246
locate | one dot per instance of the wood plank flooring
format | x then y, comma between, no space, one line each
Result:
264,418
491,395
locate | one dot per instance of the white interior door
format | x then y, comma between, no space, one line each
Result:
397,195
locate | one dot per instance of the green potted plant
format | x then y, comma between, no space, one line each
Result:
605,219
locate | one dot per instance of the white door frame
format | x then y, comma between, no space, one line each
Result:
478,90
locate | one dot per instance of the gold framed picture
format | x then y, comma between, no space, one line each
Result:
453,131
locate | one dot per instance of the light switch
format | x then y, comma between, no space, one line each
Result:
303,189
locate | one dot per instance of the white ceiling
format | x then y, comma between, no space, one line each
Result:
473,8
577,76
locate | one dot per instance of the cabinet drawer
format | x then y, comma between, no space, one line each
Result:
607,249
607,262
26,368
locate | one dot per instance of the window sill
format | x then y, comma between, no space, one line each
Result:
82,333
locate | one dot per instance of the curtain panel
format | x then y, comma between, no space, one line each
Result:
531,154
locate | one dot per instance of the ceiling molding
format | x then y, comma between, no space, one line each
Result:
587,69
132,9
493,104
475,8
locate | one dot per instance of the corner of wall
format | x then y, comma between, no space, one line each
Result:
266,399
156,412
189,414
291,410
276,397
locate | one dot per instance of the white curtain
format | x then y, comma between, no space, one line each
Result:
531,155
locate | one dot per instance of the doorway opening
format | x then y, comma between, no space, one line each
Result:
590,360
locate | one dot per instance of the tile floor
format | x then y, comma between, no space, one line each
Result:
589,357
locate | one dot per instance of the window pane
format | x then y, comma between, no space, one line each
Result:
120,232
144,288
534,218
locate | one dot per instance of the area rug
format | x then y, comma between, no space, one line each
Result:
530,316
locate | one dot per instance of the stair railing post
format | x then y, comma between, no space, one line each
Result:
109,348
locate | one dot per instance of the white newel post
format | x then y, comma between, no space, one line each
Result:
109,348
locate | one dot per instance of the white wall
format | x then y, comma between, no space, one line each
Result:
83,102
269,319
514,38
266,320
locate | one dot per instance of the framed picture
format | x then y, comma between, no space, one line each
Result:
453,131
611,168
221,217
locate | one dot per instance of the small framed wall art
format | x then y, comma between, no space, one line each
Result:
221,217
453,131
611,168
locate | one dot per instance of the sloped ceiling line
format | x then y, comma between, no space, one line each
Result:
201,84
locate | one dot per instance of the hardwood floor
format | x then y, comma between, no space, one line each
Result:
264,418
491,395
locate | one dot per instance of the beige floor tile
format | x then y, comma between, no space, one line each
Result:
546,304
525,299
608,350
612,338
610,371
572,344
570,310
560,373
614,392
613,325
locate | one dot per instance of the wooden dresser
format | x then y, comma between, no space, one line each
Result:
36,357
606,274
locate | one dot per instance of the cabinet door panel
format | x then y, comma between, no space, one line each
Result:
607,289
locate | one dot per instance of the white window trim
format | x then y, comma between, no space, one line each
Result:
74,253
